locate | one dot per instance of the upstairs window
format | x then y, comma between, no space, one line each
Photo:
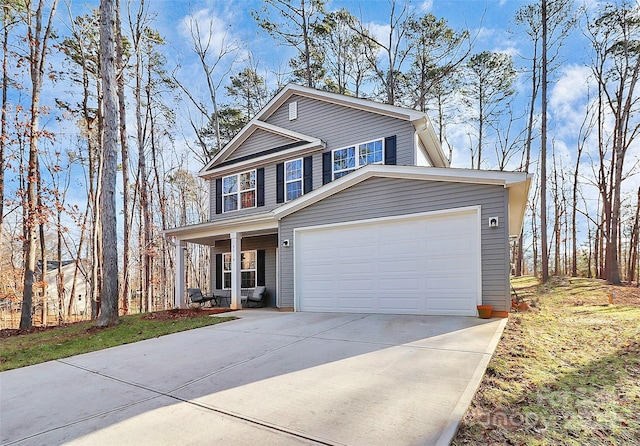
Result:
350,158
293,179
239,191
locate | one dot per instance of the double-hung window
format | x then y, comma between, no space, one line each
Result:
348,159
239,191
293,179
248,266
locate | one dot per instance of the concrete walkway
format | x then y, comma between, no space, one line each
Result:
268,378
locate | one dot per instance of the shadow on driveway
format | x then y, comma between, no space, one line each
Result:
267,378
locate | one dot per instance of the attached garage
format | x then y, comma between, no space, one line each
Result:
424,263
401,240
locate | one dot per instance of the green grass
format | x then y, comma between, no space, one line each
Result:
566,373
84,337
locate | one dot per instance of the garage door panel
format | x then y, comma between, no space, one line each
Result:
419,265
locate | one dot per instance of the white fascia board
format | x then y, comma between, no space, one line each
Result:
245,133
298,151
504,179
518,197
243,224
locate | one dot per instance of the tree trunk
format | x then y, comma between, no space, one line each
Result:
125,163
3,122
543,152
633,243
109,291
38,51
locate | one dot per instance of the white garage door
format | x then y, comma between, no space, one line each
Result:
418,264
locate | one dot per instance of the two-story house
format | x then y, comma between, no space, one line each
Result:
341,204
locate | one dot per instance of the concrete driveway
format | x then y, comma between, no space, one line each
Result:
267,378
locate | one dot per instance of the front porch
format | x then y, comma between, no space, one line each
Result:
244,256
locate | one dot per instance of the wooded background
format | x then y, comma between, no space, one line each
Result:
126,131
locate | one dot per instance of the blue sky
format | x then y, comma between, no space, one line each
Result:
489,21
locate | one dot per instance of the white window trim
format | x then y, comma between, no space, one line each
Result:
293,181
238,192
228,271
357,156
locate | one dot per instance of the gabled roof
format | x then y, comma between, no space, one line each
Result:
517,184
419,120
248,130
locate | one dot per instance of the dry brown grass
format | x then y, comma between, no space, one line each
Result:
567,372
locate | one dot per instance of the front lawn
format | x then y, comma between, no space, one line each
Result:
567,372
22,349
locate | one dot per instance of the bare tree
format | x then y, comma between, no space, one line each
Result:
108,70
488,90
124,144
436,53
216,65
39,31
8,20
395,47
616,66
296,30
543,150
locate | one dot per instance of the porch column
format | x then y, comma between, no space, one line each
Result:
236,242
179,296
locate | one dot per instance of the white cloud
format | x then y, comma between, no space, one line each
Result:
568,99
425,6
208,27
379,31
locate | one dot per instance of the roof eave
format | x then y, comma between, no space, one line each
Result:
312,146
430,141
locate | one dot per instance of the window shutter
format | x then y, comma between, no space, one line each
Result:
260,186
218,271
390,150
218,195
280,183
260,268
326,167
308,174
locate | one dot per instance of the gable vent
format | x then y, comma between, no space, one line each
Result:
293,111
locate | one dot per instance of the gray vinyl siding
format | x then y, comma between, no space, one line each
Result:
267,242
384,197
260,140
339,126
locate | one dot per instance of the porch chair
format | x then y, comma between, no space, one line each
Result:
255,298
196,297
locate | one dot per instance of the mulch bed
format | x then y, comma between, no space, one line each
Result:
166,315
185,313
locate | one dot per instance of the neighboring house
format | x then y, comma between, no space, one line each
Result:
341,204
80,305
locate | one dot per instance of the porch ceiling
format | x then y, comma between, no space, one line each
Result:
207,233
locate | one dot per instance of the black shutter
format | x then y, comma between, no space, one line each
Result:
390,150
260,186
280,183
308,174
326,167
218,195
218,271
260,268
